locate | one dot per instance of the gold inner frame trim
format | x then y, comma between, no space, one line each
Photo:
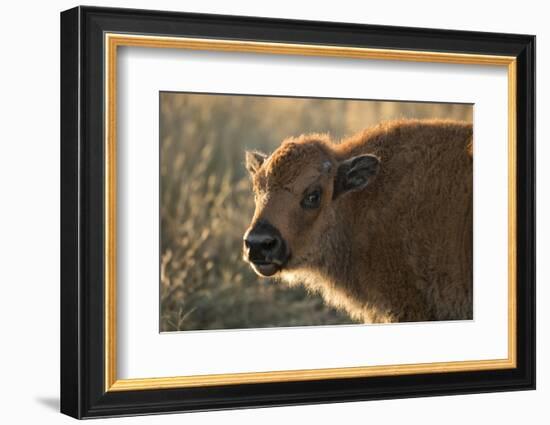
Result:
113,41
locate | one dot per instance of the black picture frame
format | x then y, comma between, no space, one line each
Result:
83,392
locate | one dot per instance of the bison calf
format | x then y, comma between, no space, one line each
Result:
380,223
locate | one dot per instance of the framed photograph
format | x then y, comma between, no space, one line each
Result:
261,212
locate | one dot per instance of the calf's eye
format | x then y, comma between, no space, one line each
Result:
312,199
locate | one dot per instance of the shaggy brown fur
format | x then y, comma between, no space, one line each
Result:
399,249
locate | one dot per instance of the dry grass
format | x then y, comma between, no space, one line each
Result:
206,203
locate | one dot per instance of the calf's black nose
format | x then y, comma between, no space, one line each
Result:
264,244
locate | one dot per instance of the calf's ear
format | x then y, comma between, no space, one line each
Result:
254,161
354,174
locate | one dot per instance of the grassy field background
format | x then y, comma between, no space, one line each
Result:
206,203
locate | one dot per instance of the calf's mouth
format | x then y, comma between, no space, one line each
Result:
265,269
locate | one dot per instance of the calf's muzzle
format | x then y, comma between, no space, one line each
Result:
265,248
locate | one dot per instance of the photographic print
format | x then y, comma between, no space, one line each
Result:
287,211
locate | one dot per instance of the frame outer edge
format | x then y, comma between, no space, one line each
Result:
69,382
533,126
70,349
529,56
